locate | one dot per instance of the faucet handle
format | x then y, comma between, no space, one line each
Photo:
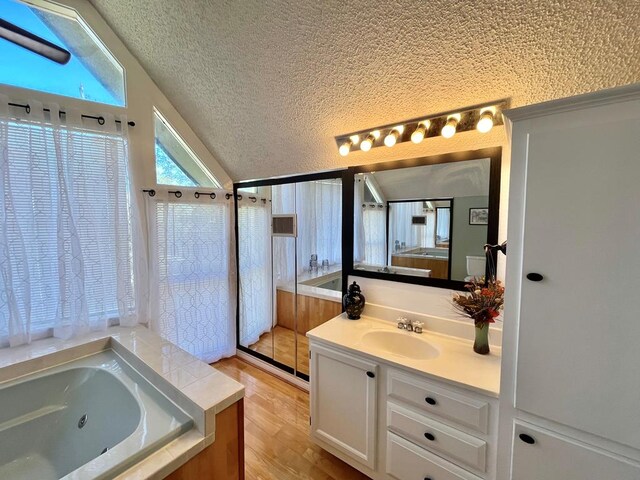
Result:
417,326
403,322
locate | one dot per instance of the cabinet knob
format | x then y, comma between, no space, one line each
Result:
430,401
429,436
371,374
534,277
528,439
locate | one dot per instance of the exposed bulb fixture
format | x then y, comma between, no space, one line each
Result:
345,148
392,137
367,143
420,132
485,123
449,129
481,118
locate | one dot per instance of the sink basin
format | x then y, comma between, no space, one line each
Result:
403,344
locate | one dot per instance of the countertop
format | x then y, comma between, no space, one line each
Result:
199,389
456,363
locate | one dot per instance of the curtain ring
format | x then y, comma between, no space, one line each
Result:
177,193
212,195
253,199
101,121
151,192
228,196
239,196
197,194
264,201
27,108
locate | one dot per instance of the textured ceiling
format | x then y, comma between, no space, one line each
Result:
267,84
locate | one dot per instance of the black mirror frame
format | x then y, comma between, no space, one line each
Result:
495,154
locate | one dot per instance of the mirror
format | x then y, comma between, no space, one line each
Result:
426,220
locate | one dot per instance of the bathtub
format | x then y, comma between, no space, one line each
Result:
91,418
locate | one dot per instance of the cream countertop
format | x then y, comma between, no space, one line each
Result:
199,389
456,363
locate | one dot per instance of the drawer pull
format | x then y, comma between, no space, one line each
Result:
427,478
371,374
528,439
534,277
429,436
430,401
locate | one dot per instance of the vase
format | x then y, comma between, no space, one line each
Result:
481,344
353,302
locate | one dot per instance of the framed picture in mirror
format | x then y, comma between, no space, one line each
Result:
478,216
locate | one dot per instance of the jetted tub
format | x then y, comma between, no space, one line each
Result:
91,418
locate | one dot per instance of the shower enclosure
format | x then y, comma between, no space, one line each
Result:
289,240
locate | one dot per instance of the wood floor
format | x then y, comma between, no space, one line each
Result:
277,444
279,344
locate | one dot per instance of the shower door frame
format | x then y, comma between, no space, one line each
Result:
347,231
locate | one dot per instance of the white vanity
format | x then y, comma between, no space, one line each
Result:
402,405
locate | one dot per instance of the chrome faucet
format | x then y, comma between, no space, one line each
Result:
410,326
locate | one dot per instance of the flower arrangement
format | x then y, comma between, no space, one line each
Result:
483,304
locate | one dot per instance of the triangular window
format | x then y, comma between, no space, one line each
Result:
92,74
176,163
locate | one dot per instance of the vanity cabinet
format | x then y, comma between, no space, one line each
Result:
398,424
571,330
344,403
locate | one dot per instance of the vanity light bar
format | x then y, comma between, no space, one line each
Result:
479,117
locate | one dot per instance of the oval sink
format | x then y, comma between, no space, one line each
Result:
402,344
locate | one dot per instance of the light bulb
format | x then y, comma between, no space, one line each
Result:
345,148
376,134
355,139
485,123
420,132
449,129
391,138
367,143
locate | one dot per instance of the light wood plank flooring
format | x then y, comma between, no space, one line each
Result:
277,444
279,344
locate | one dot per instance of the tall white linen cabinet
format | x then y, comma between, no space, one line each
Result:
570,388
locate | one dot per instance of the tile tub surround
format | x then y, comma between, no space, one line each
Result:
456,363
200,390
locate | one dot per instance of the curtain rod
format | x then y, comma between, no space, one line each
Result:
100,119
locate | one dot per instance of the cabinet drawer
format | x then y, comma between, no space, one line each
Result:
546,454
439,401
437,437
406,461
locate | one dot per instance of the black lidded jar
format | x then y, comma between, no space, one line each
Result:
353,302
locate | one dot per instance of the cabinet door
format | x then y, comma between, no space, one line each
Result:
343,403
578,356
555,457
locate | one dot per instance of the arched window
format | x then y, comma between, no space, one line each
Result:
92,74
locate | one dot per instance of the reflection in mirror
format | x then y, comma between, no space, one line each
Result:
290,267
426,221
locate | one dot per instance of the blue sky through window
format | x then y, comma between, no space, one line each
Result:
22,68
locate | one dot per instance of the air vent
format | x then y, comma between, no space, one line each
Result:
418,220
284,225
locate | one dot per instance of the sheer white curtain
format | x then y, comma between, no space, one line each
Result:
443,224
254,260
319,209
70,244
358,220
283,201
374,218
400,227
192,272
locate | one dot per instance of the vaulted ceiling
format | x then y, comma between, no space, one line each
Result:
267,84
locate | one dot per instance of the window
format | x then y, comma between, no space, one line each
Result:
176,163
91,74
66,230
